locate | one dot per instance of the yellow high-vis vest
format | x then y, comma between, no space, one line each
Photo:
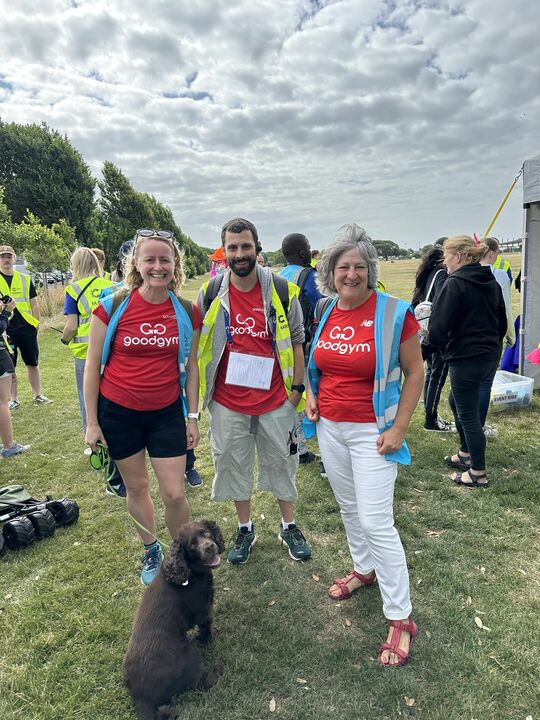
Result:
85,292
20,292
284,346
501,264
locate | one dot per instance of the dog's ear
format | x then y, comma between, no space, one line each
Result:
175,565
216,534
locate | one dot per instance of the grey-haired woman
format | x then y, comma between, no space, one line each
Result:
365,340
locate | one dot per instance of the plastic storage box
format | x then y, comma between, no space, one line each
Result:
510,391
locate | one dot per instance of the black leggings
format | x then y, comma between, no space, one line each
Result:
464,401
436,372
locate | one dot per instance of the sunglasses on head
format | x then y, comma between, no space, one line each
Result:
148,232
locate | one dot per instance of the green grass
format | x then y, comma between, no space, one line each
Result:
66,604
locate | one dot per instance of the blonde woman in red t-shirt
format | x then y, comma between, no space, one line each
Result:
136,405
359,453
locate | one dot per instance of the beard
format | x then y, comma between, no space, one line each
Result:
246,269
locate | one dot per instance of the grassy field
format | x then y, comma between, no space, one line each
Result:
66,604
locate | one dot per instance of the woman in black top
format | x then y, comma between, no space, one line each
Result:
432,270
468,322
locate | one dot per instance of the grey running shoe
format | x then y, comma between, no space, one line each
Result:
14,405
42,400
243,544
298,546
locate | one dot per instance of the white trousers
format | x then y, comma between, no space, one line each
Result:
363,484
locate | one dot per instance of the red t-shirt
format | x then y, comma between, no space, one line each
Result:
250,335
142,371
345,355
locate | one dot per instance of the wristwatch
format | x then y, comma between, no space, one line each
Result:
300,388
195,417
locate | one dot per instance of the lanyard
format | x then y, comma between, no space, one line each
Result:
271,325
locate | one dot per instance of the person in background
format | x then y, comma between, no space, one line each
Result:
297,253
102,259
315,257
218,262
147,345
502,264
468,322
510,358
365,341
81,299
261,260
501,276
10,447
124,252
252,405
432,274
23,327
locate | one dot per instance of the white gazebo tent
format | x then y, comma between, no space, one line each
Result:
530,269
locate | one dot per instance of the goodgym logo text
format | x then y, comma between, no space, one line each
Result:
151,335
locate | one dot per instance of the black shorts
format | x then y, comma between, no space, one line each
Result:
127,432
24,340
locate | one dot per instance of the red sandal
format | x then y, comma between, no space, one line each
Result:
342,583
393,643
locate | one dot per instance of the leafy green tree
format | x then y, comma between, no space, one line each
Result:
387,248
45,248
124,210
42,173
7,230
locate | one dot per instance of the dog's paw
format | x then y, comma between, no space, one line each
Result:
166,712
218,668
211,677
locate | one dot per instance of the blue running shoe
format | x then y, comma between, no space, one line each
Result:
153,557
193,478
15,449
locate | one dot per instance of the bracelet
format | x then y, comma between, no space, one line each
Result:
193,416
192,420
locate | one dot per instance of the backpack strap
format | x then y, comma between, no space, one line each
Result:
281,285
85,288
282,289
212,290
432,283
321,306
303,276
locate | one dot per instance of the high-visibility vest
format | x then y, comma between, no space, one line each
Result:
210,354
20,292
86,293
501,264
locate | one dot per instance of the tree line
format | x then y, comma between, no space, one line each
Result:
49,203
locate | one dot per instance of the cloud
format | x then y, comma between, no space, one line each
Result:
410,118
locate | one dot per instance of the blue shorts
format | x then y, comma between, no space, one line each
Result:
127,432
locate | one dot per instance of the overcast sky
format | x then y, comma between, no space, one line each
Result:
410,118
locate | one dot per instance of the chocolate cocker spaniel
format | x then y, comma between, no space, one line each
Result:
160,660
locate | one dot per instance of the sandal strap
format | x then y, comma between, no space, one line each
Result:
394,649
402,626
343,583
393,645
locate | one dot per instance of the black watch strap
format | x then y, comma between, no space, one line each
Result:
300,388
